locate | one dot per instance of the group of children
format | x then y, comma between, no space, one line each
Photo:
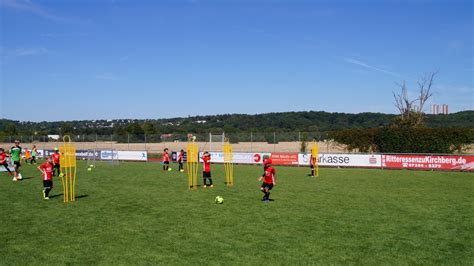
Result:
206,158
48,169
52,168
268,177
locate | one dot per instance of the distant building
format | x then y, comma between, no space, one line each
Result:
445,109
437,109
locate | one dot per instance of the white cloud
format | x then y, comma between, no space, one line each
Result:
20,52
30,51
124,58
28,6
365,65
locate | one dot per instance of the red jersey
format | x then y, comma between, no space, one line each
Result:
269,175
207,163
181,157
47,171
3,156
56,157
166,157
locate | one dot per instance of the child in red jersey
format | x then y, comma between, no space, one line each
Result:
56,159
269,179
46,170
206,174
180,161
166,160
3,160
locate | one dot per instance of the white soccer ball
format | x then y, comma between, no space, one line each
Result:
219,200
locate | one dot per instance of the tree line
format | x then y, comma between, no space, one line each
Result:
311,121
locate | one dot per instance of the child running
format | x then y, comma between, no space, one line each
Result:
15,154
180,161
3,161
46,170
206,174
269,180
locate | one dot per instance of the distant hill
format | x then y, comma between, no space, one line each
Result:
311,121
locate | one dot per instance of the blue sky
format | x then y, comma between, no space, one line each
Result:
73,60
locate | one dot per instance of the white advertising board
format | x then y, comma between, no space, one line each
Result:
124,155
237,157
344,160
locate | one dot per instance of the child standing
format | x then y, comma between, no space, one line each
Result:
166,160
34,153
56,160
3,161
312,164
269,179
206,174
180,161
46,170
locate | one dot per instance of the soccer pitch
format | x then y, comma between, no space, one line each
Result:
135,213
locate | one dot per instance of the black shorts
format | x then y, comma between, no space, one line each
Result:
17,164
167,162
206,174
48,183
266,185
57,166
5,164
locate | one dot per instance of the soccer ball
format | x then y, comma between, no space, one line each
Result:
89,169
91,166
169,169
219,200
61,175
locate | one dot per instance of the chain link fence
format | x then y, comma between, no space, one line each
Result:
155,143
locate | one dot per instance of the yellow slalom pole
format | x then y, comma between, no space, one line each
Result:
192,152
314,157
228,165
68,169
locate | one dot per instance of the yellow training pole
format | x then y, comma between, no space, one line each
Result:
192,154
228,165
314,157
68,169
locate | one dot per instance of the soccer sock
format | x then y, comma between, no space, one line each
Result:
210,181
267,195
312,172
46,191
9,172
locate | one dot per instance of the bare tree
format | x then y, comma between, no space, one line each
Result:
411,110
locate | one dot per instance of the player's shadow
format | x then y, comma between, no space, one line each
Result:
26,178
82,196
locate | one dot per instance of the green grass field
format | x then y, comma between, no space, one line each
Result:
134,213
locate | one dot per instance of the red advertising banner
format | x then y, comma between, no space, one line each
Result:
440,162
284,158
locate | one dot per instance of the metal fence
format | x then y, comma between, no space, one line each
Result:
268,137
244,142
